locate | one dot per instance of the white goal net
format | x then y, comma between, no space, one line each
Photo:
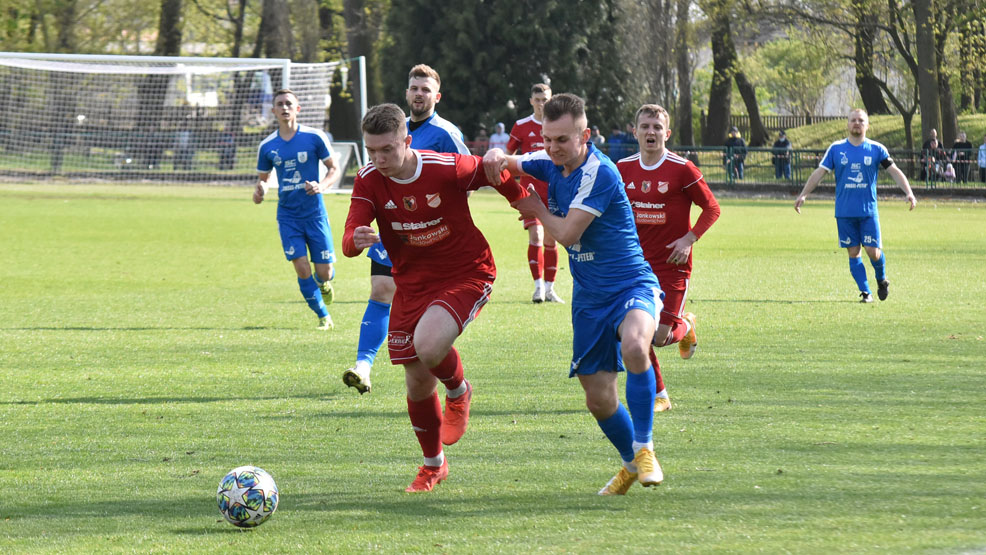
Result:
171,119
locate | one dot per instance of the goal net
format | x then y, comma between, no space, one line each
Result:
171,119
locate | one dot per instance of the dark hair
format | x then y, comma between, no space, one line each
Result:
540,88
384,118
564,103
424,71
279,92
654,111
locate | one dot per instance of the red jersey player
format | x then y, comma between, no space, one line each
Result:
662,187
542,252
442,267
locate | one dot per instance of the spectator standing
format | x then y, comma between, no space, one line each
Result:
782,156
481,143
615,141
962,157
596,138
736,152
500,138
982,161
933,159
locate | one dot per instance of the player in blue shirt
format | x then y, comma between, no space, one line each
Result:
615,295
296,151
428,131
855,161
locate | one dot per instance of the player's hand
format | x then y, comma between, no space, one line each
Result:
913,200
313,187
364,237
494,162
680,249
259,192
528,205
798,202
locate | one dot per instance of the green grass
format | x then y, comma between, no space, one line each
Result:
888,130
151,339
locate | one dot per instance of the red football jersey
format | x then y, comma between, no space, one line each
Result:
661,197
424,222
525,136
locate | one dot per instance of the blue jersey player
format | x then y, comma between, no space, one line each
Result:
295,151
855,161
428,131
615,295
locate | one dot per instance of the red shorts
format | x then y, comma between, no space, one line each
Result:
542,189
462,300
675,287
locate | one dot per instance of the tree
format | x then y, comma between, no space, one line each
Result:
683,65
927,65
723,65
796,70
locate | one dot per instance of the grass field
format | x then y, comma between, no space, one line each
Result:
153,338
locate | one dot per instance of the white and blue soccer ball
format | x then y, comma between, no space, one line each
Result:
247,496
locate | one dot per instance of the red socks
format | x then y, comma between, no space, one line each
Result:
426,419
535,257
449,370
657,371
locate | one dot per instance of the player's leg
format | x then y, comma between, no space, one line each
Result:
425,413
850,238
295,246
872,243
662,401
676,325
319,238
636,331
376,319
535,256
602,400
550,269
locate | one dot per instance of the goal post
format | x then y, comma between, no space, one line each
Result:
158,118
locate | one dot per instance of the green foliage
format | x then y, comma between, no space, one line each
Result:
795,70
169,344
489,54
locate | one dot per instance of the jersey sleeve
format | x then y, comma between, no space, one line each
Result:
828,161
323,149
700,194
537,165
514,143
596,190
470,176
456,144
264,165
361,213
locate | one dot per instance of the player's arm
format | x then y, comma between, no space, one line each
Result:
261,189
701,195
495,161
319,187
567,230
813,180
902,182
358,234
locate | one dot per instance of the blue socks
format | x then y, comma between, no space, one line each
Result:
309,290
880,267
858,271
619,430
641,389
372,331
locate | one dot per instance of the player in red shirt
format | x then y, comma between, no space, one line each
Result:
662,187
542,252
442,266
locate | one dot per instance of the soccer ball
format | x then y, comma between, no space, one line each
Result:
247,496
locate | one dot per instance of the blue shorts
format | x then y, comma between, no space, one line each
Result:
379,255
300,236
595,344
859,231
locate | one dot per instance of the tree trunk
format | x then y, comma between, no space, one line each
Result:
927,67
308,30
169,32
361,36
866,81
723,64
660,24
683,124
758,133
274,38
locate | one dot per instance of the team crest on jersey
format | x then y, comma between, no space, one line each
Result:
433,200
275,158
302,157
867,160
410,203
662,187
645,186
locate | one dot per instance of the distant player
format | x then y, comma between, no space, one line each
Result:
542,253
855,161
615,295
662,187
296,151
428,131
442,266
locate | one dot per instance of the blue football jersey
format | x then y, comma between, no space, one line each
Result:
855,169
607,258
295,162
438,134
